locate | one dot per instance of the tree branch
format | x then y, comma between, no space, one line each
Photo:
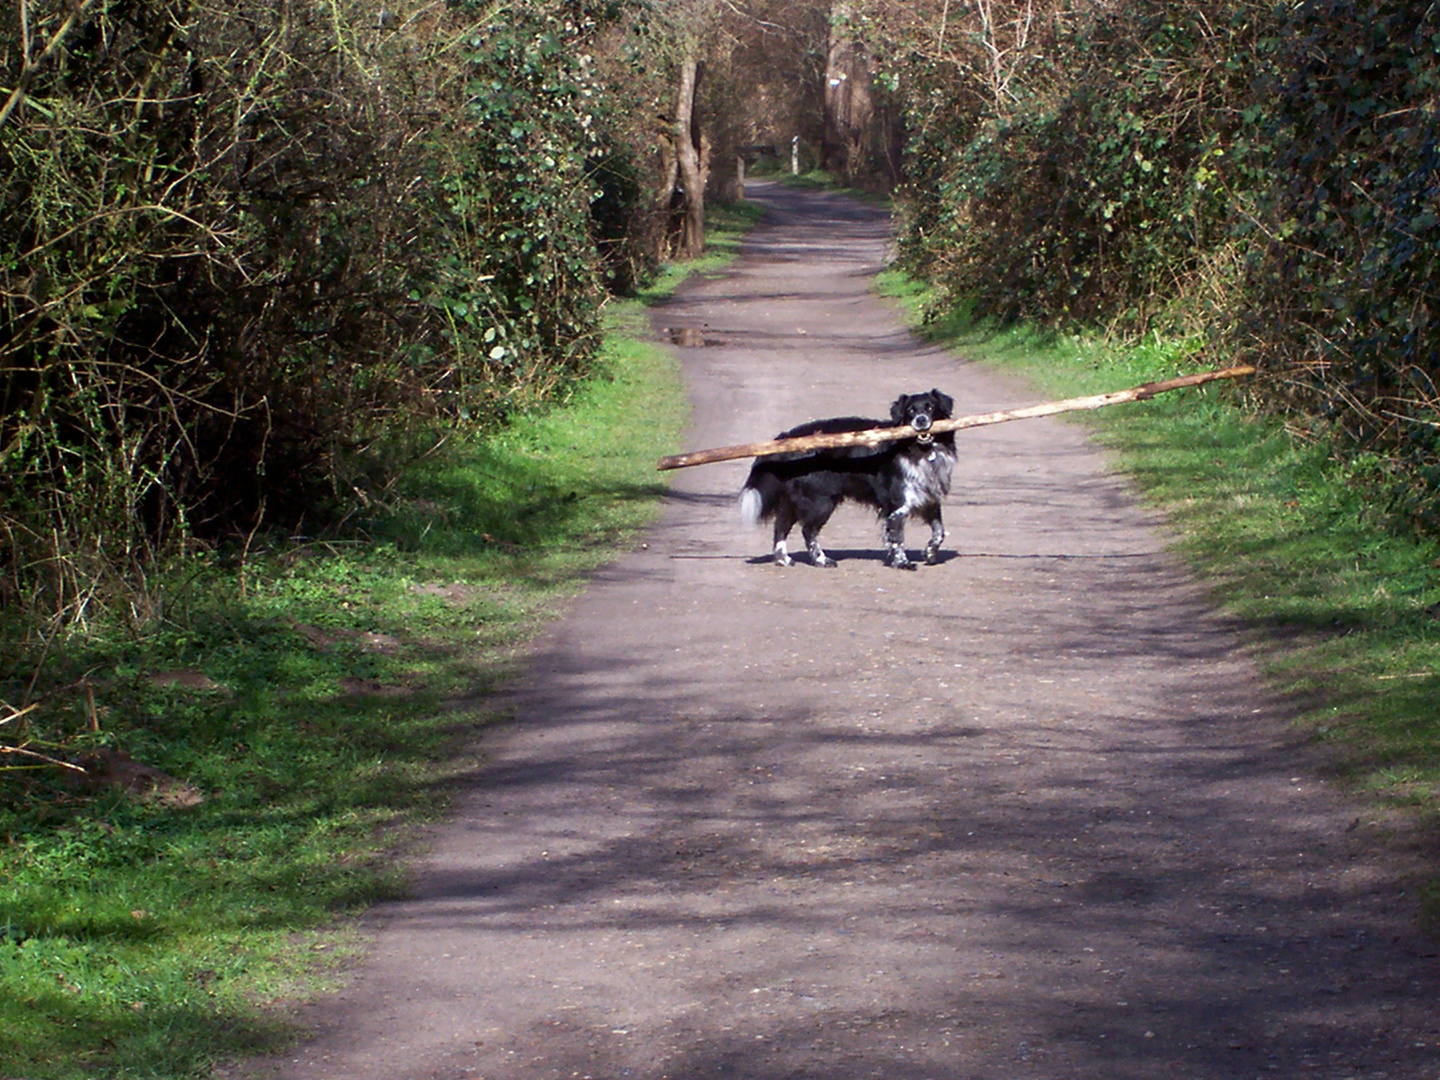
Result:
875,436
30,67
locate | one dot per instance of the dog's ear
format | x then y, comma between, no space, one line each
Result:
897,410
945,401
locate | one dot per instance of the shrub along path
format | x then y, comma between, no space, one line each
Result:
1027,813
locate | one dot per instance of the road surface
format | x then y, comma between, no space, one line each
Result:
1029,813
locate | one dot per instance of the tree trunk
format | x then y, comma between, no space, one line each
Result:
849,108
665,203
687,152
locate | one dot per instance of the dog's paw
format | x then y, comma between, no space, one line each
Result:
825,560
932,556
783,560
899,561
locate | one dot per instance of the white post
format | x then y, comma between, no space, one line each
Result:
795,155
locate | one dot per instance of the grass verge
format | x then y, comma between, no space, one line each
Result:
726,227
1343,605
266,749
820,180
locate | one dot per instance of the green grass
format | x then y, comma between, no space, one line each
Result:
347,690
1343,605
820,180
726,226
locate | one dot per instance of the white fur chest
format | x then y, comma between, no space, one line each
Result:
927,478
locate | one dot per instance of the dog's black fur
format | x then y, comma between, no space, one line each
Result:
897,479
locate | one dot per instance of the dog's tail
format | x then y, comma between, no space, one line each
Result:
752,506
761,495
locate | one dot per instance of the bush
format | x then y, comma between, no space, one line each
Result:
1265,177
251,256
1344,133
1090,200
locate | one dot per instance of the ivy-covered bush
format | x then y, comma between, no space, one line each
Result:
1264,176
250,253
1092,198
525,188
1339,198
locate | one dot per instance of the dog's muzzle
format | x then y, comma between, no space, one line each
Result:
921,424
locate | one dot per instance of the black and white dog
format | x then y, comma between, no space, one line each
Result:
897,478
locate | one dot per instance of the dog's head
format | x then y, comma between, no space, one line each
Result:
921,410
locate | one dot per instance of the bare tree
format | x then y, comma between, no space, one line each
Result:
989,47
668,47
691,148
849,97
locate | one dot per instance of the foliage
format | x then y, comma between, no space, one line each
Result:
1265,176
1344,229
951,71
758,74
1090,197
252,255
319,698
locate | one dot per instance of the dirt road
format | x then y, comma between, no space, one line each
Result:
1027,813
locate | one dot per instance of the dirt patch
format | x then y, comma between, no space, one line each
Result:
145,783
184,679
452,592
374,688
326,639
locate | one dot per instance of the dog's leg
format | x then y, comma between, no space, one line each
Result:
816,512
784,522
817,554
937,537
895,542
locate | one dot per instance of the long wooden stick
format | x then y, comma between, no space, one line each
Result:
876,436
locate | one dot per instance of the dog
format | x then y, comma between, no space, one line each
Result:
897,478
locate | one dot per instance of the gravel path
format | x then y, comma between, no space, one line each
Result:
1027,813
